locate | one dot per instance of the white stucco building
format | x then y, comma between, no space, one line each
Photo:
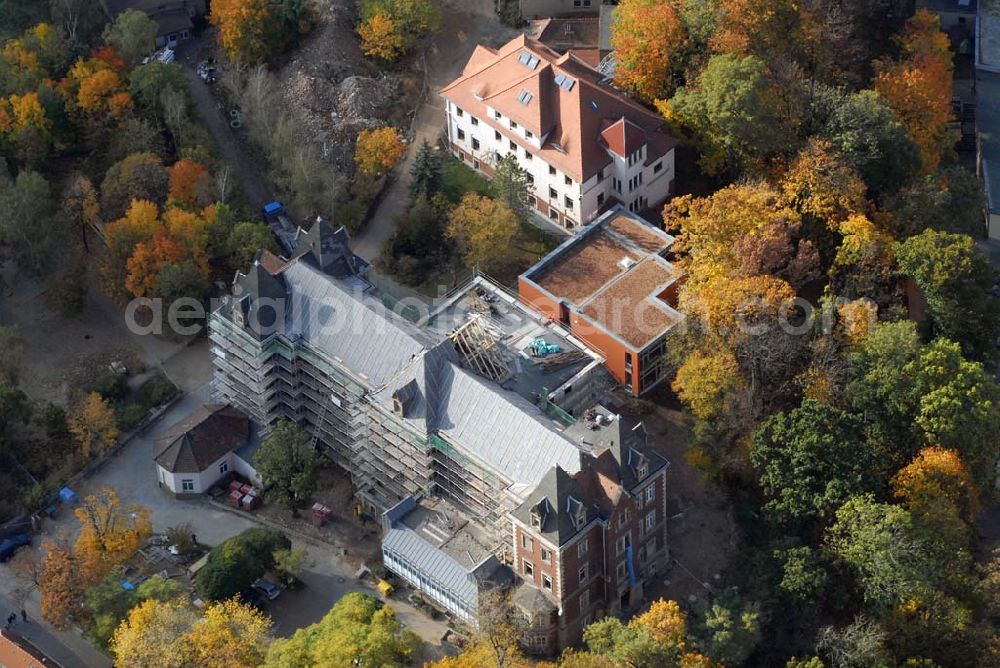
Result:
210,444
585,146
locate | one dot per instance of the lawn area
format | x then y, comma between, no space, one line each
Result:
421,255
458,179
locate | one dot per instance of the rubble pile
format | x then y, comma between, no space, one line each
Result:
331,91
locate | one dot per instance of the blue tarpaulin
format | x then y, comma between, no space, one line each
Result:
631,567
66,495
272,208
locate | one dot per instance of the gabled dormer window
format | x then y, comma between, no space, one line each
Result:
536,518
643,470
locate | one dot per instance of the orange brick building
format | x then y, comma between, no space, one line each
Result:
612,287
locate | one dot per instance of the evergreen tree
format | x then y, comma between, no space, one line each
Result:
426,172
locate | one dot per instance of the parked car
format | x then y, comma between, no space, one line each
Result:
267,588
10,545
253,598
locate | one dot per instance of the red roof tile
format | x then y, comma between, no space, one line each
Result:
570,119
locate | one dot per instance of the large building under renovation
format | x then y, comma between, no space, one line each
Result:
473,410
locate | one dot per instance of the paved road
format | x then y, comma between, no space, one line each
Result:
245,167
463,27
68,648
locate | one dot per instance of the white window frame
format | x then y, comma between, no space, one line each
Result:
582,547
527,568
187,485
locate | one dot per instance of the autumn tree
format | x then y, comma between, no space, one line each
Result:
377,151
918,86
358,630
110,533
60,585
389,28
863,263
254,31
938,490
94,426
381,37
79,206
763,28
480,226
709,383
140,176
133,35
190,184
229,634
821,184
121,237
647,37
152,636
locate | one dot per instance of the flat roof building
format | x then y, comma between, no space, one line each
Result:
612,287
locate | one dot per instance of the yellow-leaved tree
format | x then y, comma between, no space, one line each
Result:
110,533
378,150
382,37
93,425
480,226
229,635
152,635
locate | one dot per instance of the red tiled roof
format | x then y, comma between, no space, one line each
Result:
624,137
570,119
16,652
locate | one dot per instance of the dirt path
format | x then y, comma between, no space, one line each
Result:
247,170
702,531
464,25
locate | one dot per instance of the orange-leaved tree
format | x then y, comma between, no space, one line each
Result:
110,533
93,425
918,86
146,261
59,585
189,181
647,36
378,150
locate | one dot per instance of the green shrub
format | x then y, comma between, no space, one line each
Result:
109,385
235,563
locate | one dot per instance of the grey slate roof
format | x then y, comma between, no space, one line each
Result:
374,345
497,426
557,486
327,248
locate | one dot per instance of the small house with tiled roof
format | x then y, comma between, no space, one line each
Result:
584,145
208,445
